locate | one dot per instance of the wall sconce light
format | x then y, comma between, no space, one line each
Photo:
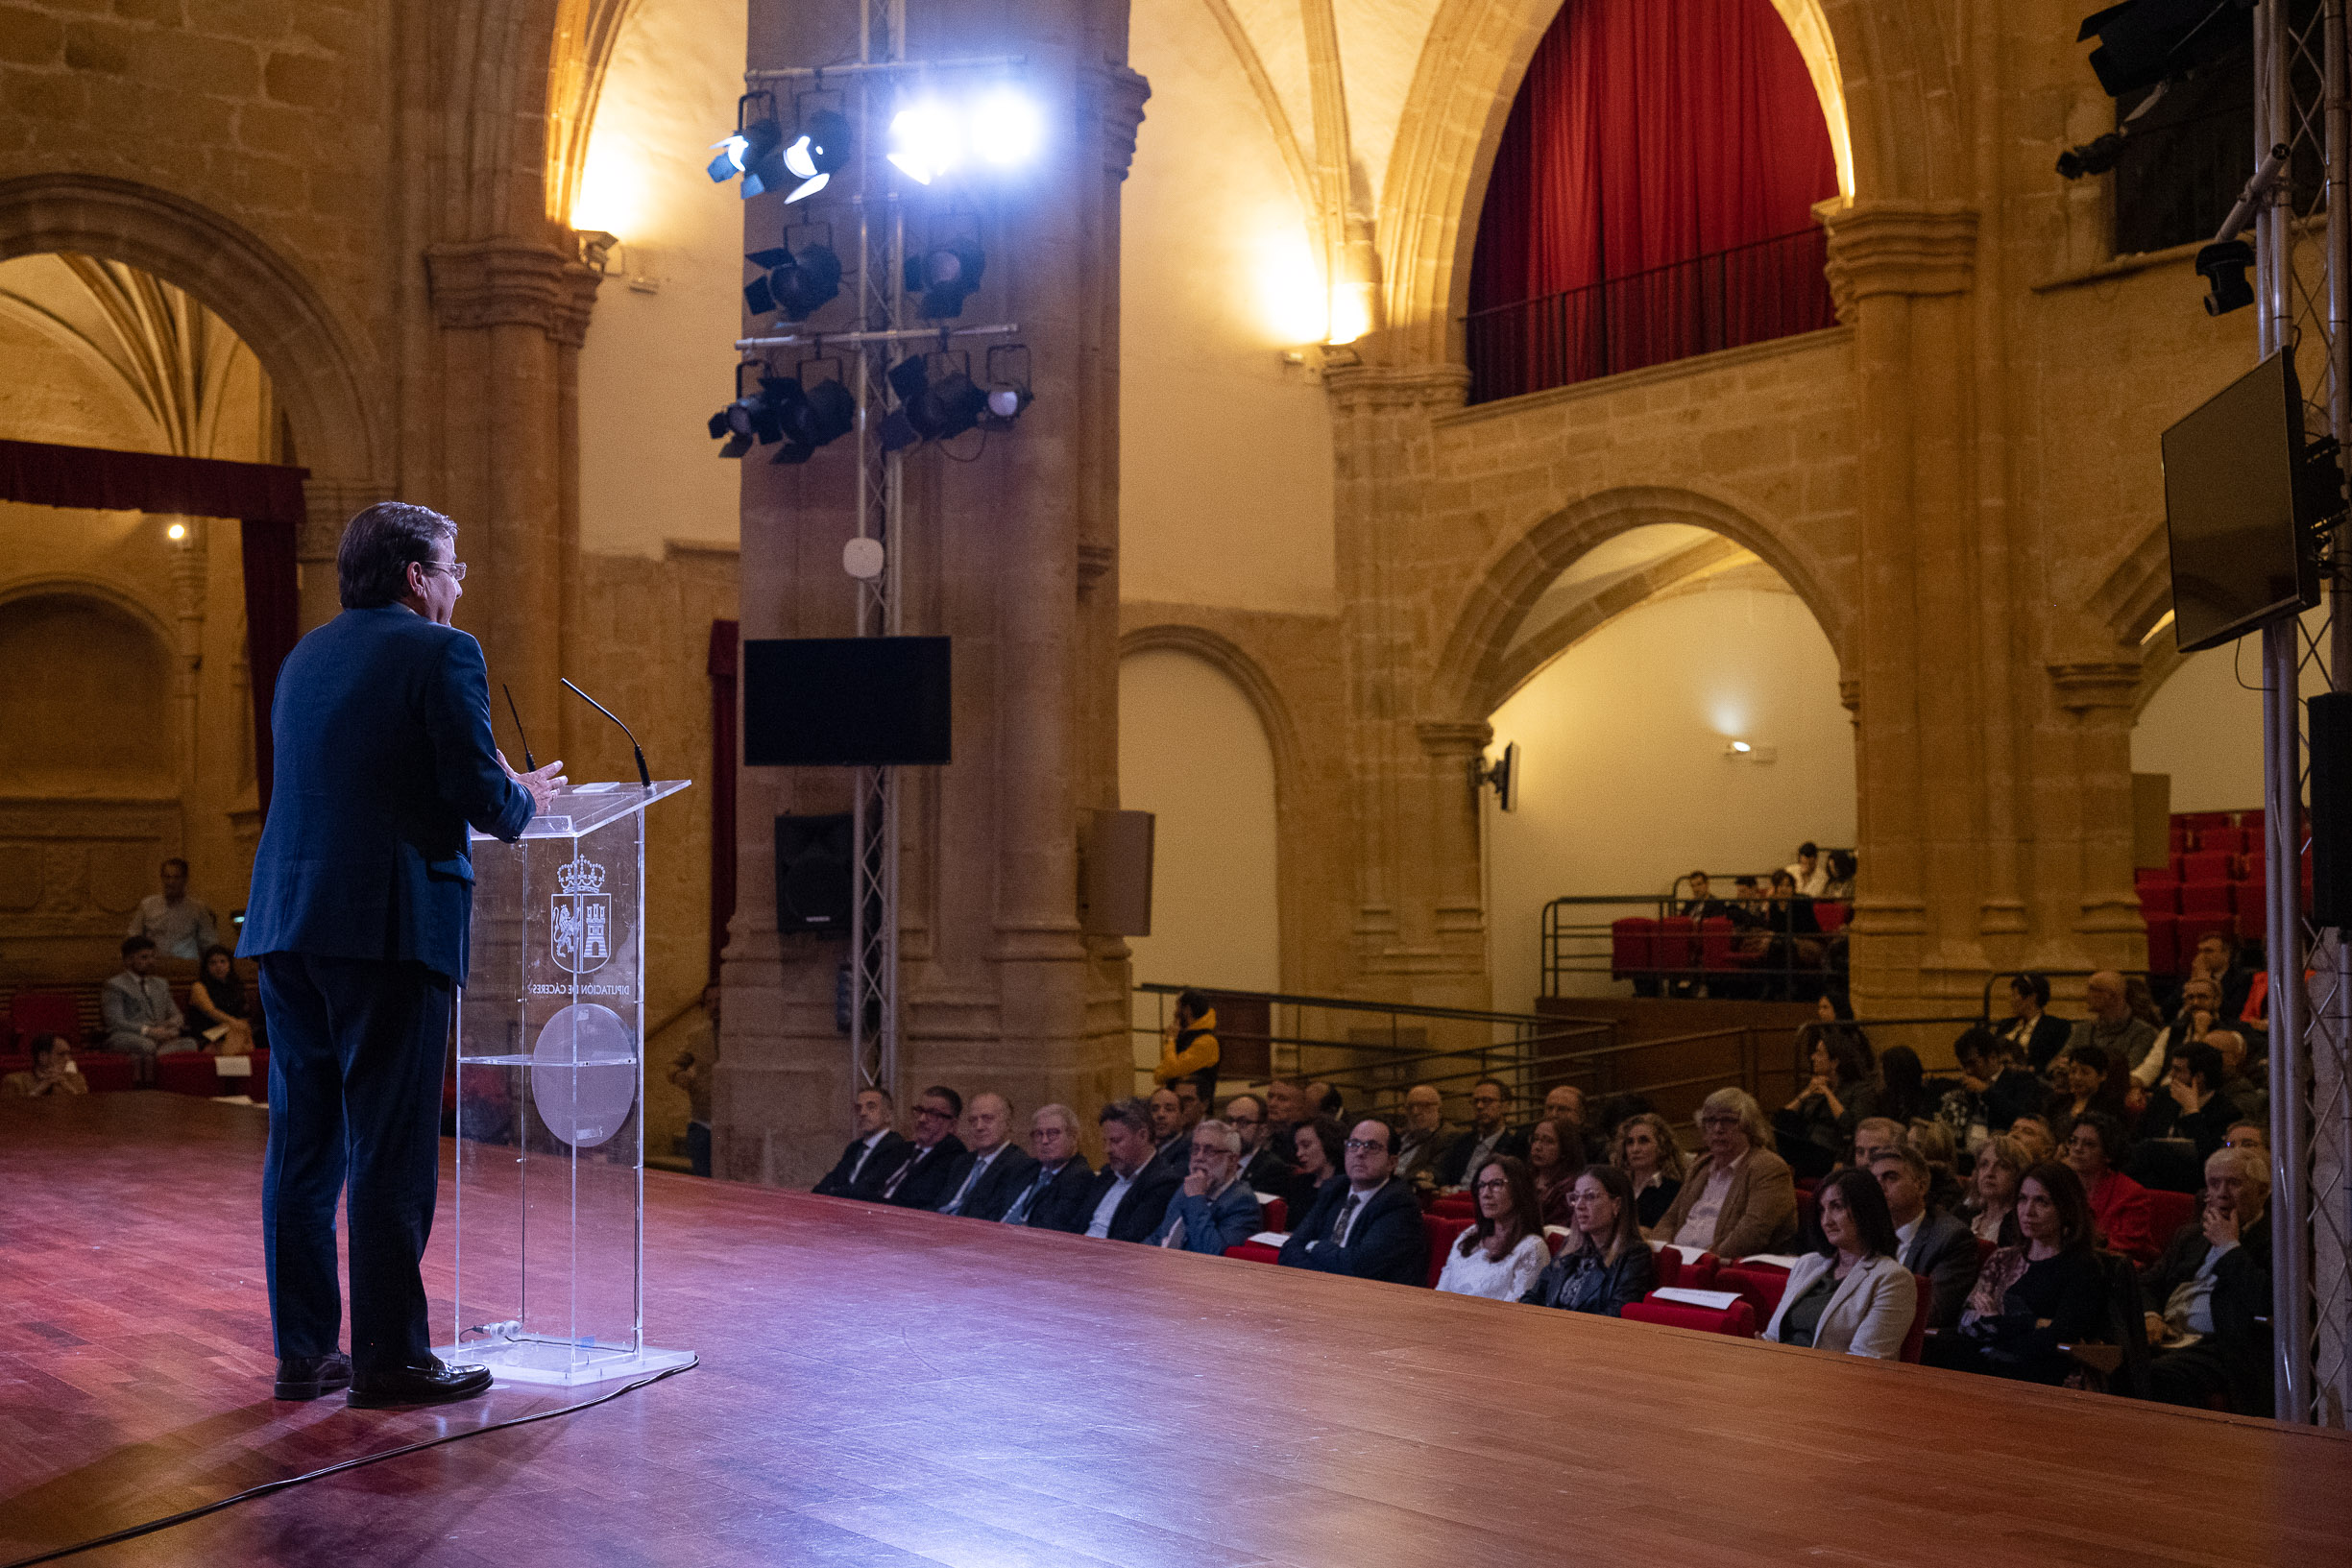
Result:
176,531
1745,751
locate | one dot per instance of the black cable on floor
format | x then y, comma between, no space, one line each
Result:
269,1487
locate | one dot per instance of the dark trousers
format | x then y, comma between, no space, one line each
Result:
356,1054
2189,1376
698,1147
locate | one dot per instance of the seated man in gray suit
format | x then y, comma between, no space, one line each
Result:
1214,1209
992,1170
1939,1245
1368,1225
141,1019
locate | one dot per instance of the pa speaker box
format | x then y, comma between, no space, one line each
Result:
2331,809
1115,874
812,872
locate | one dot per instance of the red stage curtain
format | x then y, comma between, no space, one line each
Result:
726,657
266,497
1649,134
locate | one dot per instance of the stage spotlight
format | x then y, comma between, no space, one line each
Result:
2142,42
757,416
1006,128
814,416
2095,157
1007,386
923,142
934,408
2222,265
817,154
796,282
945,276
754,150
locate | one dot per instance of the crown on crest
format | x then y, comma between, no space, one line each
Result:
580,875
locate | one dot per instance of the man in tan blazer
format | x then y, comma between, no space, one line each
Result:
1739,1198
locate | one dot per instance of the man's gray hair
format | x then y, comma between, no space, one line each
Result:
2254,1167
1062,1113
1218,1135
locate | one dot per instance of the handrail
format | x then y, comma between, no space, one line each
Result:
1657,271
1355,1004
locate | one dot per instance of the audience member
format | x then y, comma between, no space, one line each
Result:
1991,1209
2142,1003
1652,1160
225,1014
2253,1135
2118,1033
2216,960
1194,1109
1703,904
1816,1125
1489,1133
1805,873
1739,1198
2208,1297
141,1019
1425,1138
2246,1078
1324,1101
1286,1110
1901,1094
2120,1211
1321,1146
2086,1088
1873,1134
1840,888
1056,1195
1933,1139
1606,1266
1500,1255
1929,1242
180,926
1214,1209
1366,1225
2033,1132
1168,1132
52,1074
1554,1157
2191,1104
1853,1296
872,1156
1131,1194
2035,1038
924,1178
1190,1051
2032,1297
694,1071
2200,1015
1266,1162
992,1170
2003,1091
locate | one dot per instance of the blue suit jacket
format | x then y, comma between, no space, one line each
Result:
382,728
1385,1241
1210,1228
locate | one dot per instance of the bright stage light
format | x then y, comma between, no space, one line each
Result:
1005,128
176,531
817,154
923,142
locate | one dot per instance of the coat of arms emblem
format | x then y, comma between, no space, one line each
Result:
580,934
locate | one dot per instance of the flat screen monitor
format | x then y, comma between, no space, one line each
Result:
2243,554
846,702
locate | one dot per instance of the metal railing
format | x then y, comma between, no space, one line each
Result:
1752,293
1791,952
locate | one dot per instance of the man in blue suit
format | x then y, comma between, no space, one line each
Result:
361,904
1368,1225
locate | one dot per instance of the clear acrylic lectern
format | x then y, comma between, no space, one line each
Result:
550,1125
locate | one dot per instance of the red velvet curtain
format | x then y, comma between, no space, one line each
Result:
726,655
1655,148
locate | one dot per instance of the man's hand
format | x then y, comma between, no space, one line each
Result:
542,785
2220,1226
161,1032
2155,1328
1195,1185
2182,1093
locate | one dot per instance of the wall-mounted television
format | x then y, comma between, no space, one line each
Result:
847,702
2240,499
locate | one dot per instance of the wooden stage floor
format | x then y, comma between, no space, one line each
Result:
880,1389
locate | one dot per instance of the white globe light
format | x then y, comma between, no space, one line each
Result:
924,144
1007,128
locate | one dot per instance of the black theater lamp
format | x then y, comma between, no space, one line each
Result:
2142,42
821,413
945,276
2222,265
796,284
755,151
932,407
817,154
1009,386
753,417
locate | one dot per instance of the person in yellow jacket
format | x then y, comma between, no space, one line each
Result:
1189,1048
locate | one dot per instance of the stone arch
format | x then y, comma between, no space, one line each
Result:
2138,591
1473,673
123,625
321,378
1882,63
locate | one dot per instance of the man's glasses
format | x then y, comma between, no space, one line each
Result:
455,568
1365,1145
925,1113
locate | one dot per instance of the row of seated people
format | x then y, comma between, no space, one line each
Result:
2004,1281
141,1019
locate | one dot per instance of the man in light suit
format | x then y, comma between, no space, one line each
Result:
360,911
1938,1245
872,1155
1368,1225
993,1171
1214,1209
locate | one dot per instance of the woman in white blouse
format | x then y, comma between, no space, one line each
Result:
1500,1256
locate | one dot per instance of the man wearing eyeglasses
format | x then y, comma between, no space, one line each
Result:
1368,1225
359,914
1264,1166
925,1179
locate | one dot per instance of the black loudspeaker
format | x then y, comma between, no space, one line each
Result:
2331,809
813,866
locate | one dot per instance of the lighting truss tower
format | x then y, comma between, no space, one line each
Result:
2302,284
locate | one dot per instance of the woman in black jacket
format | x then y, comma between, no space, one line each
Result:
2034,1297
1607,1264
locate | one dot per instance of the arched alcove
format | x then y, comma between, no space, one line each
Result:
85,702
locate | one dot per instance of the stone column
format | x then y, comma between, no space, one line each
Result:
2104,914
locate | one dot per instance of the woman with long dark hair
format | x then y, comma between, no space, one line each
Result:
1817,1125
2033,1297
1317,1146
225,1014
1499,1257
1555,1155
1606,1265
1854,1296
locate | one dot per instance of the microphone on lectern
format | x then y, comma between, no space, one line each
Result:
528,765
644,777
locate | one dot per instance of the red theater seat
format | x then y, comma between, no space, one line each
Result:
1759,1288
1832,915
1441,1234
187,1072
1669,1264
2168,1212
1715,943
107,1070
2191,930
1915,1342
2163,943
2159,893
1738,1319
1632,946
1255,1252
44,1012
1455,1206
2207,898
1276,1214
2199,821
2206,866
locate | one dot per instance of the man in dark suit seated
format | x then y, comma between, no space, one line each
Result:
993,1171
361,913
1369,1225
1928,1241
2209,1292
921,1180
2188,1103
872,1155
1489,1133
1129,1195
1054,1196
1171,1135
1266,1166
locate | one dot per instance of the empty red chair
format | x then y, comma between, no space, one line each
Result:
187,1072
2163,943
2182,840
1669,1264
2207,898
1915,1342
1276,1211
15,1063
1255,1252
2168,1212
1737,1320
2159,889
2198,821
1455,1206
107,1070
45,1012
1632,946
1441,1234
2206,866
1832,915
1759,1288
1809,1213
1715,943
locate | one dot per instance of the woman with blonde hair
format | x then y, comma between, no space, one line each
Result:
1646,1152
2001,1163
1739,1198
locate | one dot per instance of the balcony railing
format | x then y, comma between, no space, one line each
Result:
1770,288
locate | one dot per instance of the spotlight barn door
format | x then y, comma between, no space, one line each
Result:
2331,809
813,861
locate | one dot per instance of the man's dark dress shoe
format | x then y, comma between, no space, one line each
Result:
434,1383
306,1377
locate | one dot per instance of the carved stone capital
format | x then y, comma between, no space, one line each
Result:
512,282
1453,737
1912,248
1437,388
2107,684
1850,694
1116,98
1093,560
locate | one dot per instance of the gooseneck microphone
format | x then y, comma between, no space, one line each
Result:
644,777
528,765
